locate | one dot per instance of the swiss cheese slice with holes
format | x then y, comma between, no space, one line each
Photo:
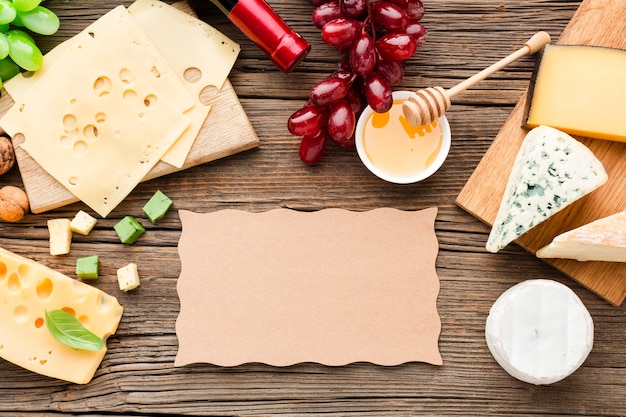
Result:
601,240
118,32
201,56
29,289
94,125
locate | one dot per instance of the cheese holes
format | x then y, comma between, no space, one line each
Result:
150,100
102,86
192,75
90,132
20,314
207,94
44,289
14,283
130,95
80,148
69,122
100,118
73,181
105,303
39,322
127,77
69,310
3,271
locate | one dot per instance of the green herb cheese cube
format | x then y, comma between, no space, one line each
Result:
87,267
129,229
157,206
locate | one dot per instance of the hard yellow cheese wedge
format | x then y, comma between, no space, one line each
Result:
27,290
580,90
601,240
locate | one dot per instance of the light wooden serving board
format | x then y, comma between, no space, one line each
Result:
225,132
600,23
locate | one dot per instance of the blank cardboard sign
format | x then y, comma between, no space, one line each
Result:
284,287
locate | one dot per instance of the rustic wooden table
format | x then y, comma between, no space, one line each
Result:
137,376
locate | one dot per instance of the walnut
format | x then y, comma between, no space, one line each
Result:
13,204
7,155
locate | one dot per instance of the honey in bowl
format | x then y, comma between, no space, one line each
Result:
395,150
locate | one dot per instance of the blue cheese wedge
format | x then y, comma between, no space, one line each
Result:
551,171
601,240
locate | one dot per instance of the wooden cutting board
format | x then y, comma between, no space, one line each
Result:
600,23
225,132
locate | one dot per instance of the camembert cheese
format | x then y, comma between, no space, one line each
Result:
29,289
551,171
600,240
539,331
581,90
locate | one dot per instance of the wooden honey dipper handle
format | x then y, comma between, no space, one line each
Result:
429,104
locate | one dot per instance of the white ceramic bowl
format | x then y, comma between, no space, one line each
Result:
420,174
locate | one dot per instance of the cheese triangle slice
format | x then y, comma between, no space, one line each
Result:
551,171
600,240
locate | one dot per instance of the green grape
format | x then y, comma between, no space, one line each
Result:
7,12
4,28
23,50
25,5
40,20
4,46
8,69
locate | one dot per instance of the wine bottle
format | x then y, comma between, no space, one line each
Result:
262,25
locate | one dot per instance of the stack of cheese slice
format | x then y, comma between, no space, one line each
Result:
600,240
117,98
539,331
29,289
551,171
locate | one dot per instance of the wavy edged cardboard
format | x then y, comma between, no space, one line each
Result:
332,287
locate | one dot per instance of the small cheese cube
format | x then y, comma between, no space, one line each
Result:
60,236
82,223
129,230
127,277
87,267
157,206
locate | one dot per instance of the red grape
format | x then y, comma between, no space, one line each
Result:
329,91
341,32
392,71
363,55
396,46
377,93
317,3
418,32
307,121
375,38
341,122
312,147
389,16
415,10
352,8
325,13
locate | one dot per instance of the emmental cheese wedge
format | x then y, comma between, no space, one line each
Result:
600,240
580,90
29,289
551,171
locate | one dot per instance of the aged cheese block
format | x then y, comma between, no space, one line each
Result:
29,289
551,171
580,90
600,240
539,331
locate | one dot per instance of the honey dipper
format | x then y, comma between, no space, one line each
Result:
429,104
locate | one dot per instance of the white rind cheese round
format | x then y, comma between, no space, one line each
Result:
539,331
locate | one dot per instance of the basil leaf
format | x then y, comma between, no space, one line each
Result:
68,330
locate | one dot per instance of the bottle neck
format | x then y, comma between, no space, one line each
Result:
261,24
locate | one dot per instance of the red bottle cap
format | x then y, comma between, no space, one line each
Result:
290,52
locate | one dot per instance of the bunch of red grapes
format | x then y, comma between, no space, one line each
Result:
375,38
